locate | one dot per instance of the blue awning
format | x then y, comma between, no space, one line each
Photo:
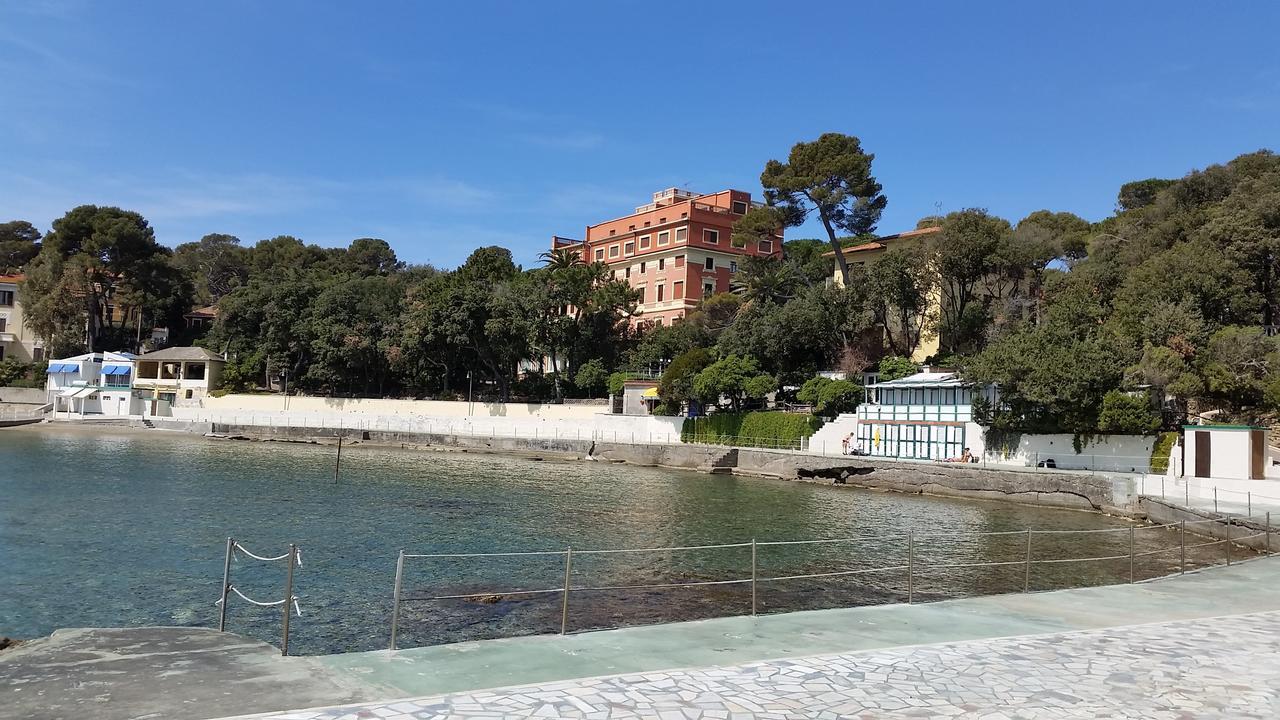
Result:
63,367
117,369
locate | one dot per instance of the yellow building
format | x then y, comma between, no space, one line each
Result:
17,342
870,252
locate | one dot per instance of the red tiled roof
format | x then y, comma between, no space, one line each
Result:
881,242
12,278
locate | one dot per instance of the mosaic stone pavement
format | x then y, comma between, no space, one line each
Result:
1226,667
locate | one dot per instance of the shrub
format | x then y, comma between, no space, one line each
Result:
759,387
838,396
811,391
751,429
893,367
1160,451
727,378
11,371
830,397
616,382
1132,414
676,385
592,379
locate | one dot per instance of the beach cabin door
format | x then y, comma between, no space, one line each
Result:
1257,441
1202,453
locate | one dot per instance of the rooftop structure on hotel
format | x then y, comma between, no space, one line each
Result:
675,250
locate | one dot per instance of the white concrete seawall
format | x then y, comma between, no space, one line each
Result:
508,420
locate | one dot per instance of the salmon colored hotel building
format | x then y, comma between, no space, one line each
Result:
675,250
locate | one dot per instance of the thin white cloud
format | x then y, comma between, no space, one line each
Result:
563,141
444,192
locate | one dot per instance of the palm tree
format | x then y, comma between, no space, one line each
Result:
763,279
561,258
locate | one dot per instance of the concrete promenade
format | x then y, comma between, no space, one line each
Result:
969,658
1222,667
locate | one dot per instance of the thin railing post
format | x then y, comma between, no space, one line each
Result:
1026,568
226,584
1249,499
1132,531
564,603
1215,499
288,599
1268,535
911,566
1228,543
395,599
753,577
1182,548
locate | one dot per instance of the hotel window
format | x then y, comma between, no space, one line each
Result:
660,289
664,238
631,227
599,254
661,220
658,321
677,290
629,249
646,223
684,214
708,290
641,268
641,291
681,234
711,237
733,266
612,232
710,263
37,354
679,261
4,324
613,251
6,298
739,207
628,271
644,242
766,246
662,263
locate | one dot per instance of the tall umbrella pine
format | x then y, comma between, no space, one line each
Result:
830,176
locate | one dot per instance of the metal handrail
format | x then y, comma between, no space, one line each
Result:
911,565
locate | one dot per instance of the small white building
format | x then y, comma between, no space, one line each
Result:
1236,452
92,384
639,397
926,416
173,375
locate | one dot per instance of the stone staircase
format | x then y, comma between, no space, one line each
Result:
723,464
828,437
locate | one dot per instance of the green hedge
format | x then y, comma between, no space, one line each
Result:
1160,451
751,429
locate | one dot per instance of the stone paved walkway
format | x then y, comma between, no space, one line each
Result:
1225,667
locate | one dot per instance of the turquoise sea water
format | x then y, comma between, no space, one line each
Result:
116,529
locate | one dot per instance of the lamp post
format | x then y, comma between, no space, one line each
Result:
469,409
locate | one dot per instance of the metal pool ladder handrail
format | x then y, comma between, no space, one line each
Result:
294,557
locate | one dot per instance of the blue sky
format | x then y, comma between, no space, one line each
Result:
441,127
